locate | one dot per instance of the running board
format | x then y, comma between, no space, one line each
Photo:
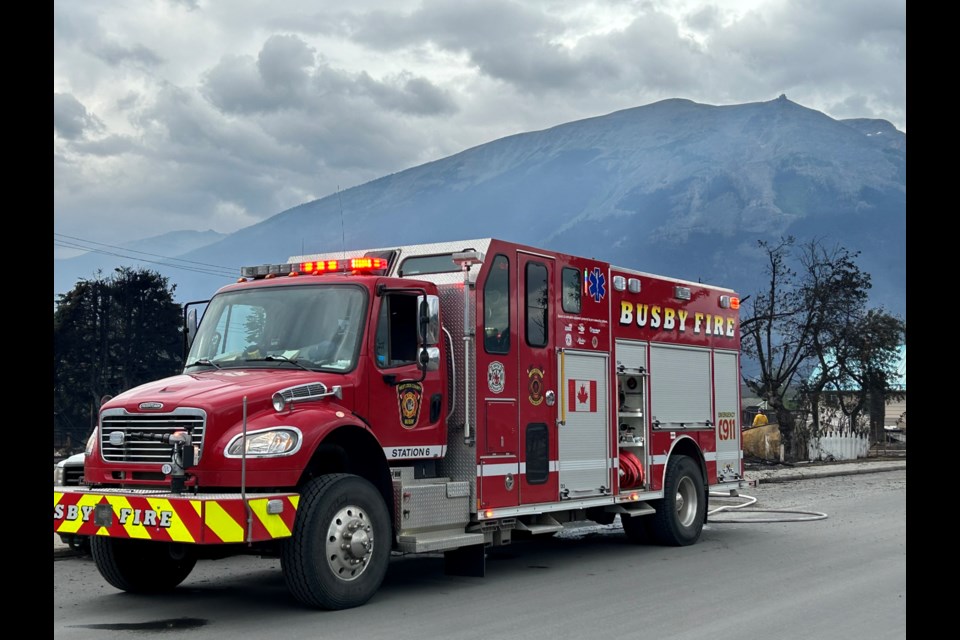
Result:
544,523
632,509
438,540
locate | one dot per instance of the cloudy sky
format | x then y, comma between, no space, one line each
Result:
216,114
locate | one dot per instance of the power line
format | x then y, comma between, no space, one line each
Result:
102,244
160,262
178,263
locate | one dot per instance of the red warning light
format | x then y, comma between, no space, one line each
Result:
367,264
353,264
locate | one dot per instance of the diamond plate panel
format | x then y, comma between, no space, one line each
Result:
425,505
460,462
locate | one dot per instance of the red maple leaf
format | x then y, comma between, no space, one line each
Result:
582,395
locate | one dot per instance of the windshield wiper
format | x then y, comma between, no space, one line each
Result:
206,362
282,358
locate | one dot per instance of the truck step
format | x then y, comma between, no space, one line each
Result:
542,524
633,509
438,540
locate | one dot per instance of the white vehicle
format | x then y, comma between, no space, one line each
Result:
69,472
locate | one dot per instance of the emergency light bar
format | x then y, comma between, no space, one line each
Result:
352,264
315,267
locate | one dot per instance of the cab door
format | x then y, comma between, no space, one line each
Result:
536,379
406,404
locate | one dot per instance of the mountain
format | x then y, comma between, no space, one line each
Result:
675,187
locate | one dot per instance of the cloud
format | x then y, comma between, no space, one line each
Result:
504,40
285,62
185,114
71,119
114,53
287,76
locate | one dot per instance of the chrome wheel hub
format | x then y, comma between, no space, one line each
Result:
686,502
349,543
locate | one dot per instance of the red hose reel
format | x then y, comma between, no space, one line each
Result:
631,471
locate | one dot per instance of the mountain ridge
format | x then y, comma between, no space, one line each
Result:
673,187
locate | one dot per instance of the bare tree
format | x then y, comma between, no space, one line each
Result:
776,336
811,330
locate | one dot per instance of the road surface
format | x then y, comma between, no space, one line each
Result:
842,576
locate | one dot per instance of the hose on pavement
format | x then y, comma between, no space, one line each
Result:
790,515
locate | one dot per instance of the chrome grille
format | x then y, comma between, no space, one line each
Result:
304,391
142,449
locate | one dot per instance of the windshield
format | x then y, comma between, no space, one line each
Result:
315,327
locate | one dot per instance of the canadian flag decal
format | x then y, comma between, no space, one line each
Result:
582,395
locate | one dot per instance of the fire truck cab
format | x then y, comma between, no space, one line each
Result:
426,398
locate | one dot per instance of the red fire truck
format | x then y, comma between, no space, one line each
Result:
435,398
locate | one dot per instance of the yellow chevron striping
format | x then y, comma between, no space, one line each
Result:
178,530
222,523
134,531
274,524
72,526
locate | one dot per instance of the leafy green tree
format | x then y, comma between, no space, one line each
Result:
111,334
836,291
867,359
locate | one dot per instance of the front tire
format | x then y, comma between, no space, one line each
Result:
141,566
682,511
339,552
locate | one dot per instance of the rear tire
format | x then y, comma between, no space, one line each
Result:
682,511
142,566
340,548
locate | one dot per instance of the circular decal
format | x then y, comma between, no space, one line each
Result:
594,342
535,385
495,377
568,339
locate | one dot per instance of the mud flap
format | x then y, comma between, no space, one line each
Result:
466,561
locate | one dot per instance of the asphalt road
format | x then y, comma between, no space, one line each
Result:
840,576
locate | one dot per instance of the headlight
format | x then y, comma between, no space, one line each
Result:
59,476
92,440
272,442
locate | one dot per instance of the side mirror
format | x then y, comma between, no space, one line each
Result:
428,319
191,327
429,358
191,321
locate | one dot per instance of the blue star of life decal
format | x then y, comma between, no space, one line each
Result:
596,285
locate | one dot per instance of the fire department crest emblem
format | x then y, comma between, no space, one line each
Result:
495,377
535,385
408,395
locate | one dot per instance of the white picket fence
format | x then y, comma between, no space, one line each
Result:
839,445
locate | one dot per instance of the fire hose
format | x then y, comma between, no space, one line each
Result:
796,515
631,471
